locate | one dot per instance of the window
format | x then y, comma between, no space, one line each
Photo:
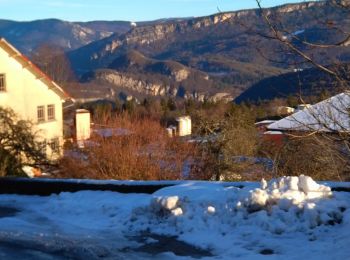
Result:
2,83
51,112
41,114
55,145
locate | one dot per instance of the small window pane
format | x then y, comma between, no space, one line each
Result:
51,112
55,145
2,83
41,113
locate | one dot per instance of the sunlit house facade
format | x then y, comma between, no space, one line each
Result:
33,96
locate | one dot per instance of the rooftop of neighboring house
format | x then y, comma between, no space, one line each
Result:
330,115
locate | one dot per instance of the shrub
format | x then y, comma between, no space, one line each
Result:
142,151
18,144
317,156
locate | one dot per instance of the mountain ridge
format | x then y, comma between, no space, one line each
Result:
148,34
222,51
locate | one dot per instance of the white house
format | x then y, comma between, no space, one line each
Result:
33,96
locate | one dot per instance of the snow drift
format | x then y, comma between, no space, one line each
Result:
203,213
289,218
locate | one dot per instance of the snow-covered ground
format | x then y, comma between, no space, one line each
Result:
288,218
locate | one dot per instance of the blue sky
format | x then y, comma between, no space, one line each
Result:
128,10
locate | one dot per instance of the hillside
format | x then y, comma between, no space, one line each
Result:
27,36
134,72
231,35
225,46
309,82
218,53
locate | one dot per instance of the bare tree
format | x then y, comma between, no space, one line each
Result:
136,149
320,135
291,42
54,62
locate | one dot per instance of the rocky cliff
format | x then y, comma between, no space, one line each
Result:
149,37
144,86
193,57
149,34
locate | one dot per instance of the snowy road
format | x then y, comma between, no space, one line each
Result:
83,225
290,219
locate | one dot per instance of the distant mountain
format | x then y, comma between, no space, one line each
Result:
225,46
232,35
27,36
190,57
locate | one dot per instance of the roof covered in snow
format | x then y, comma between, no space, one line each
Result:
265,122
330,115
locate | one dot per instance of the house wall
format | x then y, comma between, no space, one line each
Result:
24,93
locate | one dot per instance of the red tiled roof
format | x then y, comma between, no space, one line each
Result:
14,53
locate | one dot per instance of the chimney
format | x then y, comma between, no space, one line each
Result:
82,126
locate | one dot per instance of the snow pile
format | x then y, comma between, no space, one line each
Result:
176,210
167,205
192,211
285,192
281,216
291,204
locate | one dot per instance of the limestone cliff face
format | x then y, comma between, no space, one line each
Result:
145,35
149,34
129,82
124,81
297,7
180,75
108,49
152,33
